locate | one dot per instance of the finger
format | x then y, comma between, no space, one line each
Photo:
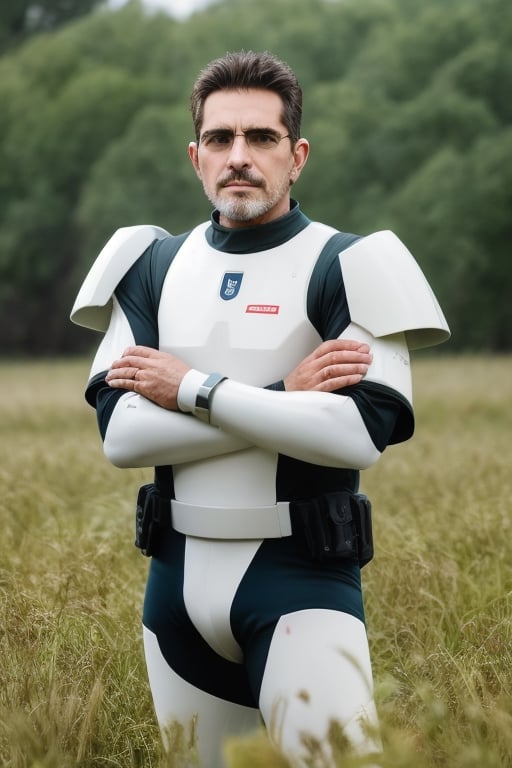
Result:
341,345
133,361
118,364
345,358
125,373
339,382
343,371
129,384
141,351
335,353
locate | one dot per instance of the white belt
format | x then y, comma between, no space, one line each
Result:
232,522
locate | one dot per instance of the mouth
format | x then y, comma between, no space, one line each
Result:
240,184
239,187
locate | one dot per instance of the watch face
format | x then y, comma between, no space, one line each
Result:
202,406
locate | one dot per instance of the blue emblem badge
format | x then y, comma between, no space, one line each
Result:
231,283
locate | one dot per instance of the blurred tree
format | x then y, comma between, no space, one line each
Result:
144,178
66,103
20,19
406,108
460,229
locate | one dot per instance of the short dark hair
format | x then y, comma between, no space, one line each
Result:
242,70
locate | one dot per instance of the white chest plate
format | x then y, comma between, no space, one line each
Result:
243,314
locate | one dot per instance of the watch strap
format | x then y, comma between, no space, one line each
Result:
204,396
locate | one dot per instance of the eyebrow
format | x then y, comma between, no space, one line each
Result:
231,132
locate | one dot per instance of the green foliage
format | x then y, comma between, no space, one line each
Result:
74,690
406,107
20,19
148,160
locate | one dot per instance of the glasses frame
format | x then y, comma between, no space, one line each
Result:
250,135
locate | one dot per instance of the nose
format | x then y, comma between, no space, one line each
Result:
239,153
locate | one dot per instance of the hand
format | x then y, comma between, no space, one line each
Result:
335,364
148,372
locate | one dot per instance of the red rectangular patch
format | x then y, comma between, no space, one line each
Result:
262,309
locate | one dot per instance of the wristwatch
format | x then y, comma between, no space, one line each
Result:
204,396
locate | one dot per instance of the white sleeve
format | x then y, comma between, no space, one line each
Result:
317,427
142,434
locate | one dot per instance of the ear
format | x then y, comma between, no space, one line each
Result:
193,154
300,156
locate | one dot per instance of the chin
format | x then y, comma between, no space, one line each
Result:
243,211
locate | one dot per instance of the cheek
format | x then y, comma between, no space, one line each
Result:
282,176
206,172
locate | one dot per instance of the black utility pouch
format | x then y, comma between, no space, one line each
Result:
327,526
335,525
152,517
364,531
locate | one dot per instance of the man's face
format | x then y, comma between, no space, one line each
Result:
244,159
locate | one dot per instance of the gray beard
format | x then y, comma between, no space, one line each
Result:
242,210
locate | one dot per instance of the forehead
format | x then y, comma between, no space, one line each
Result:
236,109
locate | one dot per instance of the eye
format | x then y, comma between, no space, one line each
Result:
262,139
217,139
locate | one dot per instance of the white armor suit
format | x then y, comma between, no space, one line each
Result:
238,619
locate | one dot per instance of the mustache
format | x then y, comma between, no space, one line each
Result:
241,175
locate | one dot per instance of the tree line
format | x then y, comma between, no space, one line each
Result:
407,109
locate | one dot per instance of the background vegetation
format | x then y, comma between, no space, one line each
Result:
407,106
438,593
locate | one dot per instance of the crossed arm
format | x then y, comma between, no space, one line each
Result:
147,427
334,364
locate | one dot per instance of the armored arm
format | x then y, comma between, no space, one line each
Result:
127,420
393,308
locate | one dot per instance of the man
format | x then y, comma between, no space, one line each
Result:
227,364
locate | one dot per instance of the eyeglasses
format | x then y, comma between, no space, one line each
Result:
221,140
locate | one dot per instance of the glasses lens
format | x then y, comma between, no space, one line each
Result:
256,138
218,140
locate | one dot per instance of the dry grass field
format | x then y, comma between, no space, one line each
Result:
438,593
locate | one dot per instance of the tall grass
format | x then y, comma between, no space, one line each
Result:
73,688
